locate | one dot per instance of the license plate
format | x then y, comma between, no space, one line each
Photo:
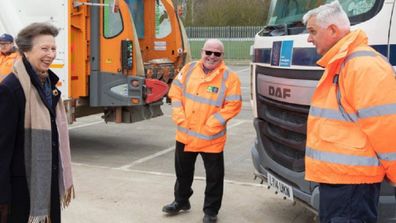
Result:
280,187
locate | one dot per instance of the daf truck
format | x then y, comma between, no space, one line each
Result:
113,56
284,75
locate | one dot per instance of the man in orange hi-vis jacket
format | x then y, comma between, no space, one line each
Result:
205,96
351,146
8,54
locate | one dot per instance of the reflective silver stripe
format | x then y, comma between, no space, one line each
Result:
233,98
220,118
177,83
343,159
221,95
201,99
362,53
375,111
176,104
346,116
199,135
190,69
331,114
387,156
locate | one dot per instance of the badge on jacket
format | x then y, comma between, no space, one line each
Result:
212,89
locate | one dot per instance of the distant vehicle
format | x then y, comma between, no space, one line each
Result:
284,75
114,56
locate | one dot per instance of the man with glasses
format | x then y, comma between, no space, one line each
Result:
205,96
8,54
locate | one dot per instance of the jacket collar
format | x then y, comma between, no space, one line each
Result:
343,47
214,73
12,53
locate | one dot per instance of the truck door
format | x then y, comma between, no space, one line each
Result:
115,57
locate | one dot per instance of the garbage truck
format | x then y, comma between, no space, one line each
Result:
113,56
284,75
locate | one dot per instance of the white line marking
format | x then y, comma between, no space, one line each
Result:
166,174
85,125
243,70
165,151
236,124
144,159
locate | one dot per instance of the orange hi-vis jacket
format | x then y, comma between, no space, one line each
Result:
202,104
352,120
6,64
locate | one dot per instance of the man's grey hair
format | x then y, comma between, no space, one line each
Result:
328,14
217,41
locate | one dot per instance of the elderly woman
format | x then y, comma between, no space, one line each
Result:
35,169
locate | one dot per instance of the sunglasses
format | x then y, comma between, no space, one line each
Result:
208,53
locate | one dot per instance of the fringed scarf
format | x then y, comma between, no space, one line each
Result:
38,150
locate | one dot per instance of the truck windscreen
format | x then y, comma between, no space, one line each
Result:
292,11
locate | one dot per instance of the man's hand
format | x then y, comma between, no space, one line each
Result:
3,213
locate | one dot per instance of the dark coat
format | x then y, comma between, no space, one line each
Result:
13,183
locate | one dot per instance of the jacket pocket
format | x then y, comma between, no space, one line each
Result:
178,117
206,138
346,135
211,130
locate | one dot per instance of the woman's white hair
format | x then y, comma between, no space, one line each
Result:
328,14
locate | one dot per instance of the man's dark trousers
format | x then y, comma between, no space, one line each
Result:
349,203
214,167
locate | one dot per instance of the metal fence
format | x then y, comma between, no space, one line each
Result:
237,40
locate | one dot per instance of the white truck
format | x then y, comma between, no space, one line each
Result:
284,75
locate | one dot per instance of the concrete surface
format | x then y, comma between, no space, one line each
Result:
115,195
124,173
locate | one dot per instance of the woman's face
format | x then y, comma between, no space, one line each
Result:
42,54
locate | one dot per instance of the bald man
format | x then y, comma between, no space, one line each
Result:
205,96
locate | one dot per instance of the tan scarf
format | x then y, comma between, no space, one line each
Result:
38,150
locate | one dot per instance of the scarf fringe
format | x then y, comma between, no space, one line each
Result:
39,219
67,197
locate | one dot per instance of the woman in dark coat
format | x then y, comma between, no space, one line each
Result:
35,167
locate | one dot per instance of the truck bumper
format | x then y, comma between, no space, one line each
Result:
307,193
301,189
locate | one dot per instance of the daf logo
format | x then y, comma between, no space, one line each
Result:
279,92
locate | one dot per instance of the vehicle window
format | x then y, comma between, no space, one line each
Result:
136,7
291,11
357,7
162,23
112,22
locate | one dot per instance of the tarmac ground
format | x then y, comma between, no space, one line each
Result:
124,173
